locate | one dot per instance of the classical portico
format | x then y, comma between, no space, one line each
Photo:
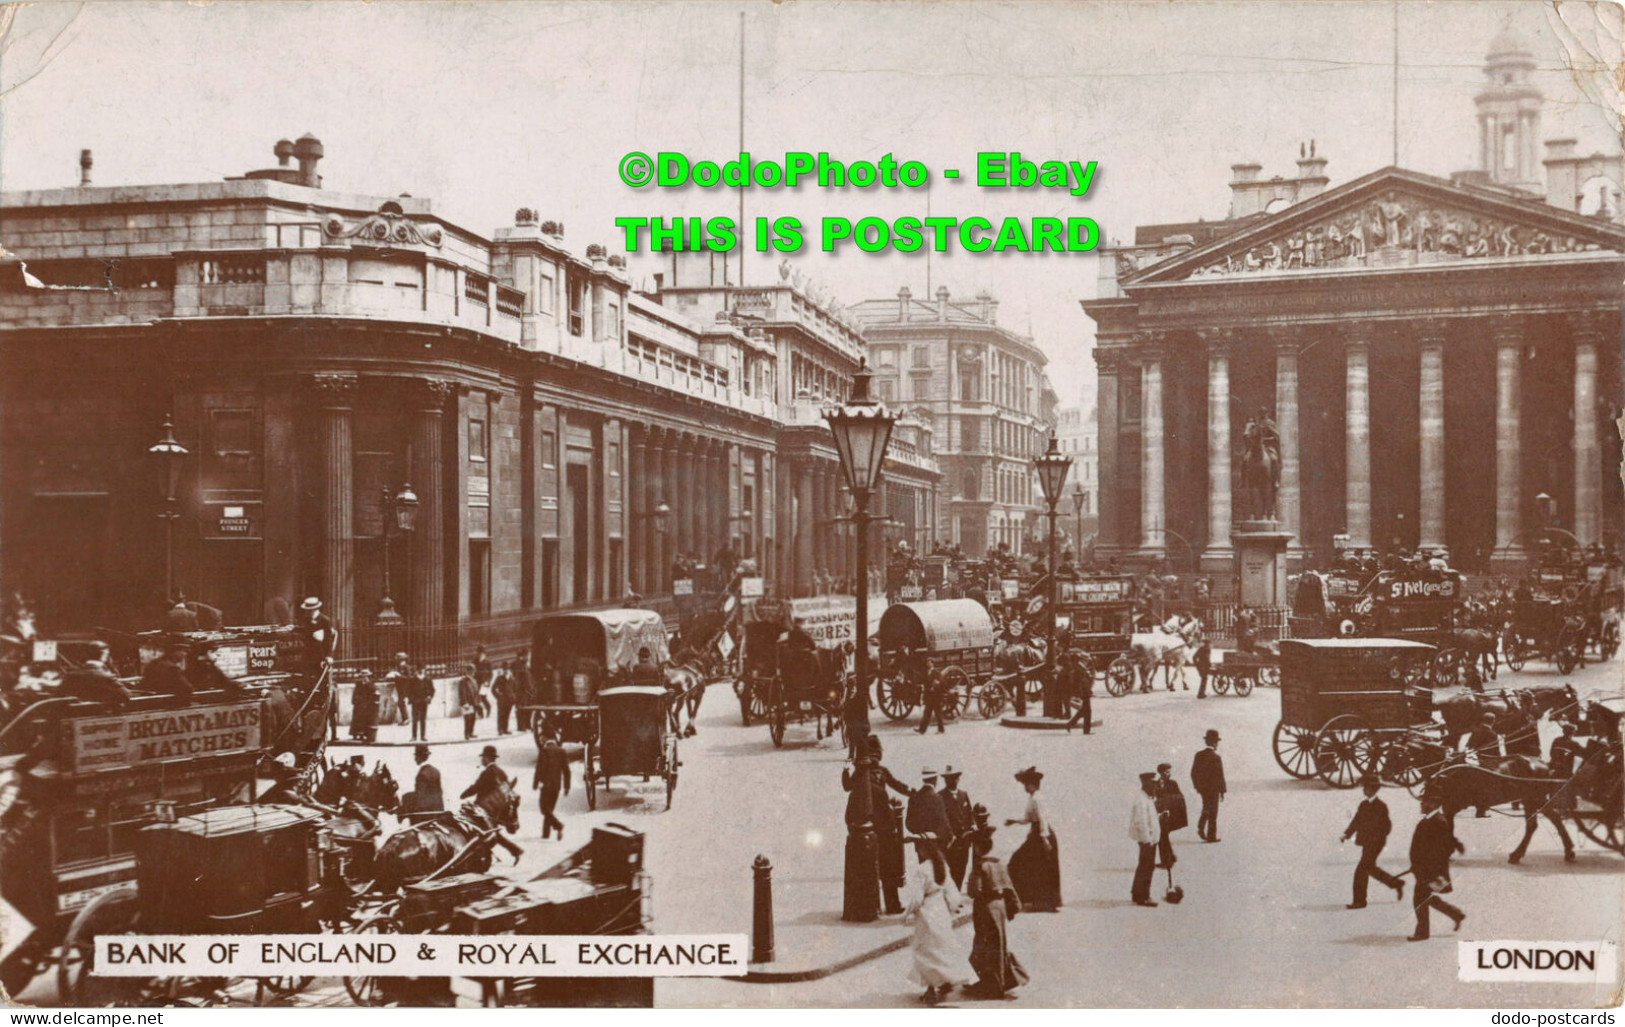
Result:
1385,326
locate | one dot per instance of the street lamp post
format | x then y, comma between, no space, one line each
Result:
1079,498
399,513
1052,470
170,454
862,429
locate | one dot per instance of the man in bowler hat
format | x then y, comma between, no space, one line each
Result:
1207,777
1369,829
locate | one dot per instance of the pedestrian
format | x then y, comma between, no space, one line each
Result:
1369,829
961,825
1207,777
1171,807
941,961
167,675
320,637
524,689
180,618
884,818
1145,827
552,774
1036,866
1203,659
855,715
364,709
419,693
426,795
502,691
468,695
1431,847
994,903
926,813
1080,677
936,692
491,778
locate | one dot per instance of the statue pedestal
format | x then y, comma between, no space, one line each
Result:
1261,562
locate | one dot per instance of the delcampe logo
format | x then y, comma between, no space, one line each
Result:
1559,962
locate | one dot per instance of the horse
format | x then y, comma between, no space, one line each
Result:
1518,780
376,792
1163,647
1482,648
458,842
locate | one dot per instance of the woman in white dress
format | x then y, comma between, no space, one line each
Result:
941,957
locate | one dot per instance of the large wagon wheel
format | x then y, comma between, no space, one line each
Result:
1244,685
895,696
1608,834
1345,750
955,686
669,769
1608,641
589,773
779,718
1120,676
1570,643
117,912
270,989
990,699
1295,750
1512,649
1269,676
1446,667
1221,683
369,991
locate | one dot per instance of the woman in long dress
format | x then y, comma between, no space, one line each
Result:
1036,866
998,972
941,961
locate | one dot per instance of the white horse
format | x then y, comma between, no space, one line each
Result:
1170,646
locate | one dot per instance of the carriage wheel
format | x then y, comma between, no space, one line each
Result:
1345,751
1269,676
1570,645
1221,684
1244,686
893,702
777,721
117,912
273,988
1033,685
1607,834
369,991
990,700
1295,750
1446,667
956,692
672,764
1120,676
1512,650
589,774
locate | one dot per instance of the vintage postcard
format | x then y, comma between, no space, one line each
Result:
984,504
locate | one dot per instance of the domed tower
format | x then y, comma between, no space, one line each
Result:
1509,114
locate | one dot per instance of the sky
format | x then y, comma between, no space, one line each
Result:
486,107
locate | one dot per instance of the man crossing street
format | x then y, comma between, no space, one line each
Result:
1369,829
552,774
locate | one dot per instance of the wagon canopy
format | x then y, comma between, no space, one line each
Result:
941,625
617,635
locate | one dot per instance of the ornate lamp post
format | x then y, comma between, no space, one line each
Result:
171,454
1052,470
862,429
1079,499
399,514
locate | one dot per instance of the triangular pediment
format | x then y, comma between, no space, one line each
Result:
1387,219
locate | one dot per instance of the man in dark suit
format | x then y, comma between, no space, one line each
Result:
321,637
552,774
167,675
1207,777
426,795
961,823
1369,829
1431,848
926,813
1171,808
180,617
936,692
419,694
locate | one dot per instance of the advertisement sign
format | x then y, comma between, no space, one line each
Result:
830,620
1401,588
682,587
1010,588
750,588
162,736
1093,591
45,652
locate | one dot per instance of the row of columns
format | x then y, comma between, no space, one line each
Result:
1587,331
691,474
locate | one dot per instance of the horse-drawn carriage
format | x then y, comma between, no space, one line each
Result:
1343,700
579,654
635,738
1544,628
793,664
1096,613
946,643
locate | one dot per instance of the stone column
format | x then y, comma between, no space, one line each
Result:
684,503
1109,537
336,395
805,517
661,455
1218,556
1288,498
821,523
638,524
428,544
1430,421
1152,515
704,493
1508,335
1357,442
1587,330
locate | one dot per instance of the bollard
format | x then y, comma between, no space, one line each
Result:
761,934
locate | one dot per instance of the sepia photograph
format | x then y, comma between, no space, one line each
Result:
987,504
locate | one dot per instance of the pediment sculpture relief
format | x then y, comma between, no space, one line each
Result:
384,227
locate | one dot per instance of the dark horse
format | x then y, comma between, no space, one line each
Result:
1518,779
1260,464
450,843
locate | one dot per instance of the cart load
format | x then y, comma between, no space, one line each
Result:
579,654
951,640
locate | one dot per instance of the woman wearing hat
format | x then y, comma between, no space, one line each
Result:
940,960
994,903
1036,866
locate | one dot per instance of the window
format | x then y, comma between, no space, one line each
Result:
578,300
888,391
479,577
969,437
614,459
233,432
969,486
550,449
612,321
922,356
970,388
477,442
544,294
886,357
919,386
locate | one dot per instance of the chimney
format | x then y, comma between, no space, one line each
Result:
1311,173
1244,189
1247,171
84,167
596,253
1562,174
942,303
283,150
903,297
308,151
987,307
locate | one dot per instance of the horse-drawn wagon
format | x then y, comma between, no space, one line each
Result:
794,663
1341,701
1097,615
578,654
1544,628
948,640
